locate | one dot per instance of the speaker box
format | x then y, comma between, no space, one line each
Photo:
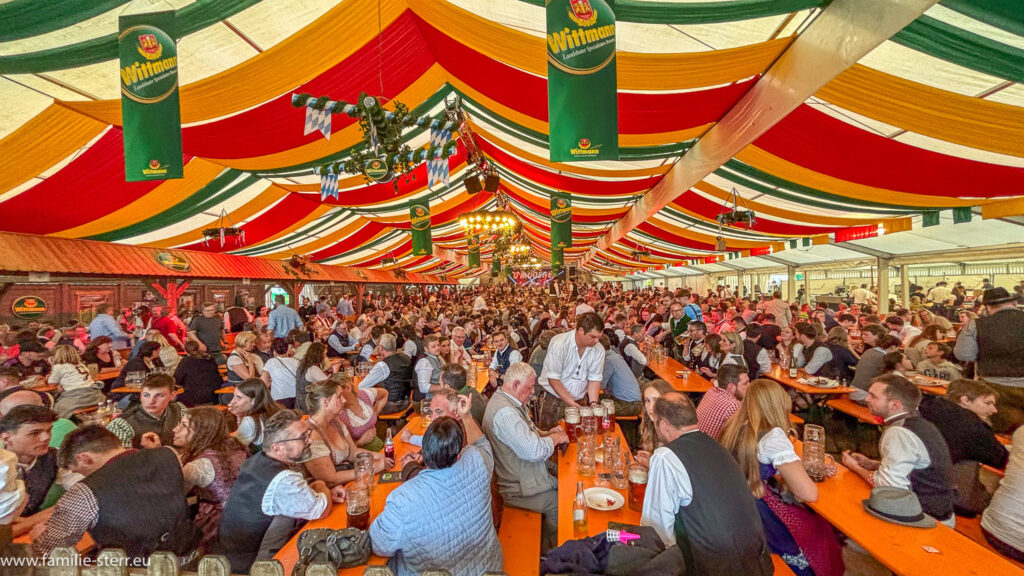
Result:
491,182
473,184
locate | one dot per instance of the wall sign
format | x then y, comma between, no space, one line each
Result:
172,262
29,307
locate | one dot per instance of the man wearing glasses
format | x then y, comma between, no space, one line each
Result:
573,369
270,500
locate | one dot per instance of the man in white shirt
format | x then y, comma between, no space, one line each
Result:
861,296
504,356
902,330
260,515
428,369
630,349
458,352
479,304
573,369
941,293
722,526
914,453
582,307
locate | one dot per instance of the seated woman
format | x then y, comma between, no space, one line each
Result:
198,374
362,406
1003,521
252,406
844,359
331,446
716,349
757,437
243,362
168,354
648,437
916,346
313,368
210,460
75,386
99,352
145,361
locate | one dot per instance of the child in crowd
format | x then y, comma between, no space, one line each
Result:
936,365
74,384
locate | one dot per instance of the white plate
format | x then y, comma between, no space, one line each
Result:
597,498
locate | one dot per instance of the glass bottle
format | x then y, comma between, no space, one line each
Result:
580,527
389,446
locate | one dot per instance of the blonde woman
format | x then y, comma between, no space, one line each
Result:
331,445
243,363
168,354
733,350
757,437
74,384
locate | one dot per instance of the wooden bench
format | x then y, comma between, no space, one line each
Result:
794,419
971,528
519,535
851,408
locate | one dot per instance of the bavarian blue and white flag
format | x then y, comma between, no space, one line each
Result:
318,120
328,186
437,165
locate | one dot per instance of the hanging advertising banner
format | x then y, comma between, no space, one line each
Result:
495,266
557,260
561,222
419,218
150,112
473,243
583,111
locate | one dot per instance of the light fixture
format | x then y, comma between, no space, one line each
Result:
733,215
224,229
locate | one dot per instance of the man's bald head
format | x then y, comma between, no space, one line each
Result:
19,398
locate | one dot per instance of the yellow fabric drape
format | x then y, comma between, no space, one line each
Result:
425,86
1003,208
268,197
543,201
294,61
730,242
773,211
334,237
317,212
940,114
39,144
198,173
636,71
772,164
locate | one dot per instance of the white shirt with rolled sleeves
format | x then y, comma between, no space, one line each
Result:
289,495
564,363
513,357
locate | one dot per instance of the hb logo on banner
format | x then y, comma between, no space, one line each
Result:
437,168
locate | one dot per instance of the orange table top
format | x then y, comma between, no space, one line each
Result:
668,370
108,373
900,548
782,377
597,519
225,390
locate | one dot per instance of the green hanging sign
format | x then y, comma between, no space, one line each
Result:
495,266
561,222
473,243
419,219
557,260
150,111
582,101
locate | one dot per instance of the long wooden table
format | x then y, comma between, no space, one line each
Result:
669,370
782,377
900,548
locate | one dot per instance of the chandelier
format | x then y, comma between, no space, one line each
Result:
224,229
486,221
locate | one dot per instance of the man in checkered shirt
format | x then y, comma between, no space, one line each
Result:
723,399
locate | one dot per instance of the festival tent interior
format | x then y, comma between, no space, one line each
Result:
851,130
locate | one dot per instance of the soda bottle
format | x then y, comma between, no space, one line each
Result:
579,513
389,446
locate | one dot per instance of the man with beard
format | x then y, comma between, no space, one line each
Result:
270,498
722,400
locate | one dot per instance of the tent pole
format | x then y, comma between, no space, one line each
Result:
883,286
904,285
791,283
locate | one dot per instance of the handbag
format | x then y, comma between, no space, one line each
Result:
342,548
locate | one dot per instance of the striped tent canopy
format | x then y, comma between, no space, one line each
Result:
926,126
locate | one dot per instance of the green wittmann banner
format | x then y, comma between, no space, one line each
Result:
495,266
419,218
561,222
583,112
151,115
473,243
557,260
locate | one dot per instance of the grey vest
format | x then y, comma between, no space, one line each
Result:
516,477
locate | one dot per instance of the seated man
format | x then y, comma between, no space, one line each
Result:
428,369
698,498
521,451
156,414
30,361
340,342
629,348
618,381
963,416
936,365
393,373
25,431
15,398
425,523
504,356
129,499
914,453
723,399
370,342
269,495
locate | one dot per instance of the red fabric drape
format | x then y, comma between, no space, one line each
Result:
825,144
710,209
291,209
354,241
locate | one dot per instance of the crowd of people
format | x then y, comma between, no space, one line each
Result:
726,484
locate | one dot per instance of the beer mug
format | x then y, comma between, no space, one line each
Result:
572,422
620,470
425,414
357,505
364,469
814,452
586,456
637,487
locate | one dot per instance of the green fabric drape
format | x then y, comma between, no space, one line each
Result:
1005,14
964,48
24,18
701,12
192,18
